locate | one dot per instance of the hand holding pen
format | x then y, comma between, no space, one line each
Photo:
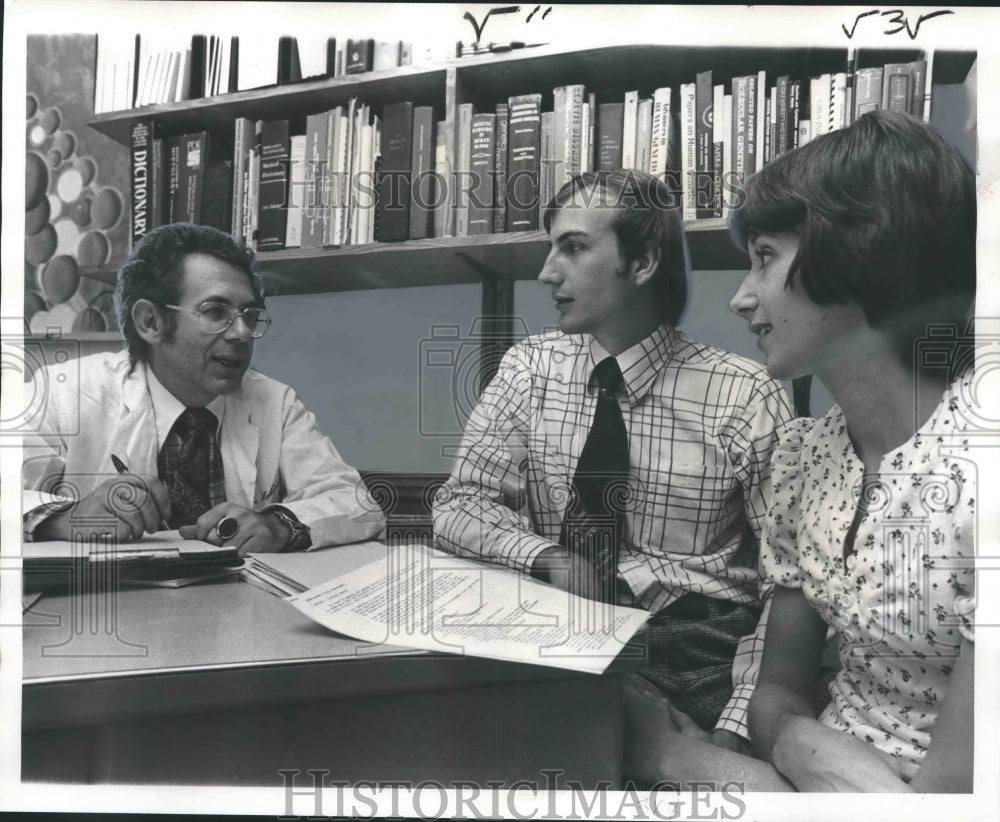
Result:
130,504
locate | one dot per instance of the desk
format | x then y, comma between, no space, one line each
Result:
224,684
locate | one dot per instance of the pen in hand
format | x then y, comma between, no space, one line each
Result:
122,468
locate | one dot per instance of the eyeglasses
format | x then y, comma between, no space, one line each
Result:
214,318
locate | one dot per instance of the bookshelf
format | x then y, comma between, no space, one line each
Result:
494,260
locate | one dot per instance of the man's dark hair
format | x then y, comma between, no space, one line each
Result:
153,272
646,216
885,212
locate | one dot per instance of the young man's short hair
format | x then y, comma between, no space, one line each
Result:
646,215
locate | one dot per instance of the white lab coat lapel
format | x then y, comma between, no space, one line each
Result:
240,440
134,436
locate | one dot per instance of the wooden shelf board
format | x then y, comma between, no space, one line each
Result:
487,79
451,261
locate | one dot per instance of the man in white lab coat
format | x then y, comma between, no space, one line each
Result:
176,432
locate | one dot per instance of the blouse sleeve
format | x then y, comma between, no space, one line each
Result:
779,553
965,610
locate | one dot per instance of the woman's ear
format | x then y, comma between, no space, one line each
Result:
148,321
645,264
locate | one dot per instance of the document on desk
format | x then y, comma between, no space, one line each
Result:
417,597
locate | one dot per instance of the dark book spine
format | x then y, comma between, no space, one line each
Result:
194,151
395,164
781,141
484,136
289,66
610,119
199,63
313,208
173,178
217,194
140,156
703,143
358,58
331,56
422,189
500,169
233,80
522,162
275,150
158,184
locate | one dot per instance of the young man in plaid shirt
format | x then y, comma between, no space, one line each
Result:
700,426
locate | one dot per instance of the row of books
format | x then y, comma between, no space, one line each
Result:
148,70
357,176
182,178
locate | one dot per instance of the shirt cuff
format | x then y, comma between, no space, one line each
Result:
36,516
734,715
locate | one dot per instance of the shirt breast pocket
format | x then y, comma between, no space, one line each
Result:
682,509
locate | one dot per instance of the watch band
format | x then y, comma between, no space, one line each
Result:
300,538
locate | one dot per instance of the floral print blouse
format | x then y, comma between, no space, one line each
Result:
901,599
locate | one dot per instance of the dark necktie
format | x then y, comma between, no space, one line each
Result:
594,525
190,465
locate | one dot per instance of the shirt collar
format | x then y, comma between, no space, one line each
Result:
639,364
167,408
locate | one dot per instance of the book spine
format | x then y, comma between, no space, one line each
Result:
660,136
727,151
385,55
590,124
422,189
718,146
329,194
739,93
191,177
199,62
395,174
644,134
315,172
771,144
689,154
296,191
217,189
782,143
899,93
483,162
140,155
867,91
289,69
849,82
463,171
158,184
610,119
703,101
760,123
750,160
522,162
838,101
500,165
442,181
890,70
359,56
547,161
629,117
794,111
918,87
275,150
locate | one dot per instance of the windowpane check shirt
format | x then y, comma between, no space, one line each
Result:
701,425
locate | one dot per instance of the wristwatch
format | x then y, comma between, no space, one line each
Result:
300,538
